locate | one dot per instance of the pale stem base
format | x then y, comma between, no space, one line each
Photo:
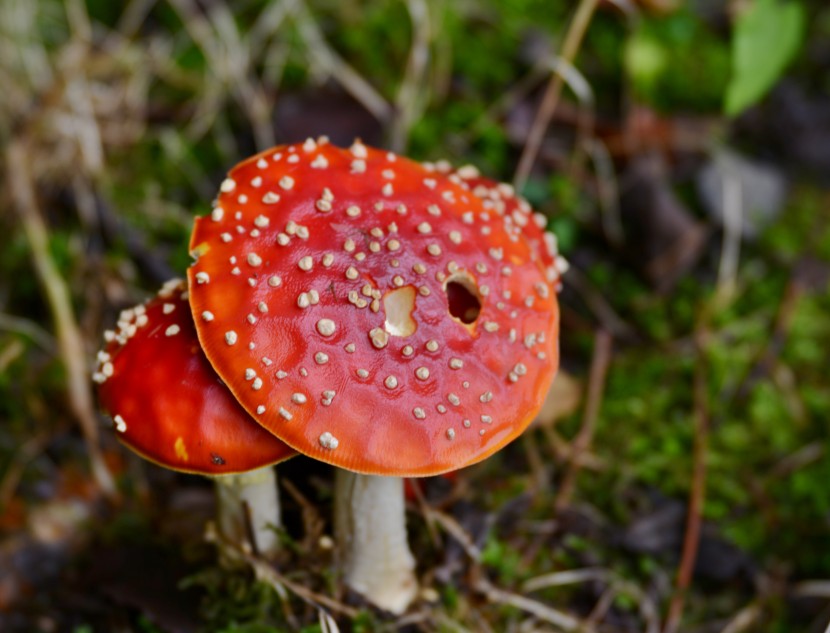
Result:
370,529
256,495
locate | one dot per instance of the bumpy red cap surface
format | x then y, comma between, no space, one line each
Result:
167,402
371,311
503,199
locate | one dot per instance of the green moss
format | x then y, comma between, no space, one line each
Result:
678,63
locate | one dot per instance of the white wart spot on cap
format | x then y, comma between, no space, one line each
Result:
326,327
327,440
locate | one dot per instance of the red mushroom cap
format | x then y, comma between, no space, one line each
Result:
167,402
370,311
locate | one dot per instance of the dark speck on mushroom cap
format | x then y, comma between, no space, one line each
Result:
166,401
374,313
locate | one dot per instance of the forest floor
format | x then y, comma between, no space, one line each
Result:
676,480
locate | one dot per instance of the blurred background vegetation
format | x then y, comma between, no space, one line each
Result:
677,478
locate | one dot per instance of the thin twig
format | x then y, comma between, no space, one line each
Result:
573,38
70,341
563,451
539,609
582,443
694,515
454,529
424,507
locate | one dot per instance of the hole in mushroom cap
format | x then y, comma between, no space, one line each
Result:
398,305
463,297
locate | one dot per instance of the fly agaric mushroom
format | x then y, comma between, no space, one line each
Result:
375,314
170,407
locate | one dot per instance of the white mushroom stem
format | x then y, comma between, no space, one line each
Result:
370,527
250,498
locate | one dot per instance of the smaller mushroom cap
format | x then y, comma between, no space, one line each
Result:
167,403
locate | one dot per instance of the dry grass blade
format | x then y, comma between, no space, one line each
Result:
568,577
538,609
338,69
454,529
563,451
14,471
11,353
313,523
813,589
327,623
266,572
744,620
230,61
268,23
424,507
447,624
29,329
573,39
596,385
607,191
133,16
70,341
412,95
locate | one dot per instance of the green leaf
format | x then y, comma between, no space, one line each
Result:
766,39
